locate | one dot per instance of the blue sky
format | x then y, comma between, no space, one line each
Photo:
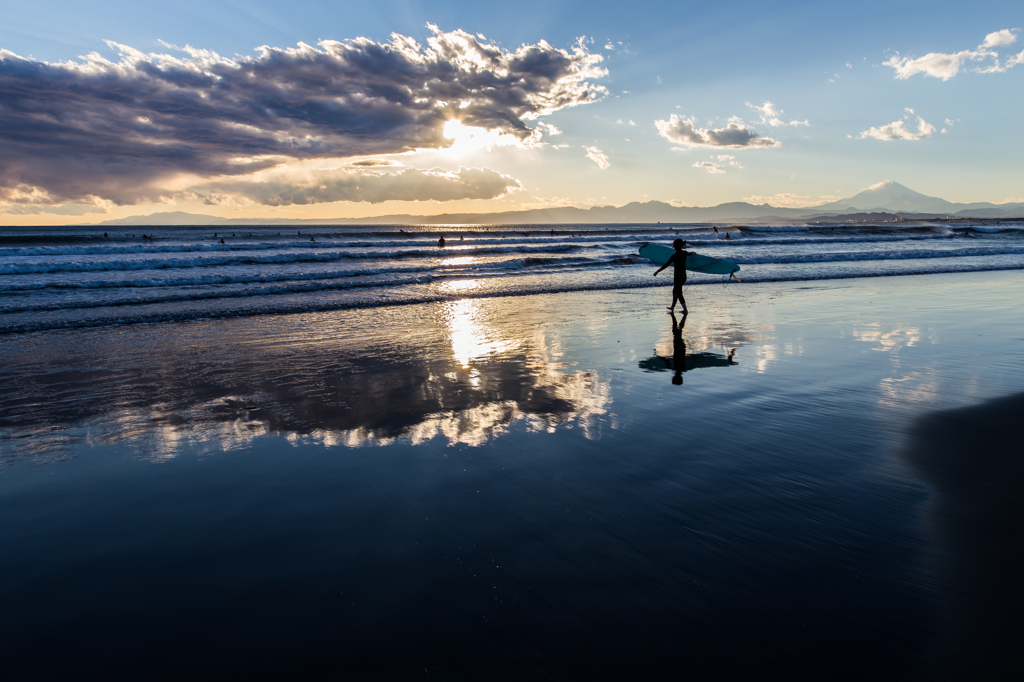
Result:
835,67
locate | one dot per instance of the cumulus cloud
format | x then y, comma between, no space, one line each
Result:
1000,38
946,65
898,130
548,129
26,200
734,136
288,187
597,156
730,159
772,115
709,166
120,131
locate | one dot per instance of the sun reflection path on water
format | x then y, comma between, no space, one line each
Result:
470,337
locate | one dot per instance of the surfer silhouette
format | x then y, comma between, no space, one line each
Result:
677,259
440,242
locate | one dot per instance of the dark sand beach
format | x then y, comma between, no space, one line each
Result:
517,488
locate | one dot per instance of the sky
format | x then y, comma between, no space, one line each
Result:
349,109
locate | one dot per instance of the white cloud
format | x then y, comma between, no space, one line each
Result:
772,115
734,136
897,130
726,157
1000,38
709,167
946,65
547,129
597,156
631,122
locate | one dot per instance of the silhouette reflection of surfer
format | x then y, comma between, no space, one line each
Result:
678,349
681,362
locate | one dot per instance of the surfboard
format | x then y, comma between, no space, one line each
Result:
659,253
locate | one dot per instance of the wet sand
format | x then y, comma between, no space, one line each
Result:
558,486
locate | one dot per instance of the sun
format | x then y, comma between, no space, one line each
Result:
472,138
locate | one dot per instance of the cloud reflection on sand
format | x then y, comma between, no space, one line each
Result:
452,373
887,340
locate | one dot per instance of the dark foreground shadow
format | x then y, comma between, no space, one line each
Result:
973,460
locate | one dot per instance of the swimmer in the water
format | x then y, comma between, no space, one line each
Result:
440,242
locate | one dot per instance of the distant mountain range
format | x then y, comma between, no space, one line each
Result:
889,198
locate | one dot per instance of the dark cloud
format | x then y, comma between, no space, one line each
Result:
734,136
370,163
411,184
96,128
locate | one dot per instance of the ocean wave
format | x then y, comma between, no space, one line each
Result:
266,278
323,245
910,254
287,308
40,267
213,294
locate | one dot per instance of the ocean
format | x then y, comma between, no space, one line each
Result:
70,277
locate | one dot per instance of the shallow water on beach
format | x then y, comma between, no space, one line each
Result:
560,486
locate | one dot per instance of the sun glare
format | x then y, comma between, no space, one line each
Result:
471,138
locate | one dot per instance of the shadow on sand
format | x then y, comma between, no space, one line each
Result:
973,460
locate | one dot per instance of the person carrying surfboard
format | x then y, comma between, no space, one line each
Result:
678,259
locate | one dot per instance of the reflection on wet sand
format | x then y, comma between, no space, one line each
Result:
455,376
971,459
680,361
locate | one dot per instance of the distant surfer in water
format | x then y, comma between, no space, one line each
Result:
440,242
678,259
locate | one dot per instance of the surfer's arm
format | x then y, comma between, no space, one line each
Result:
667,263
